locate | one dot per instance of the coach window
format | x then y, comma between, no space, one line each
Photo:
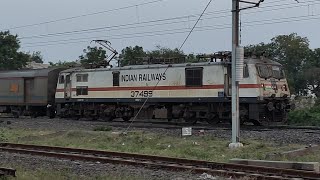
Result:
61,79
82,77
82,90
245,71
194,76
116,78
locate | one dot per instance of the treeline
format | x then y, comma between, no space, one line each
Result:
301,63
11,57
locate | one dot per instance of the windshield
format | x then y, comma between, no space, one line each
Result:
270,71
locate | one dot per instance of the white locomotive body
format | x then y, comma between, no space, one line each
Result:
190,91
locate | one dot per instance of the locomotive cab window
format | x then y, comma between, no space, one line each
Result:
116,78
68,79
194,76
82,90
61,79
82,77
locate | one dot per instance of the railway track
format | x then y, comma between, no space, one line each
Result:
178,125
204,126
7,172
166,163
145,123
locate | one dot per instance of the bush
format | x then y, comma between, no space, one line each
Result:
103,128
306,117
317,103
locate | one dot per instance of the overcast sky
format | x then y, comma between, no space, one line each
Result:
212,34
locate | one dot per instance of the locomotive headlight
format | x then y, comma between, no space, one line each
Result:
285,88
263,86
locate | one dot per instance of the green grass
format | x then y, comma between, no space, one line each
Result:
103,128
196,147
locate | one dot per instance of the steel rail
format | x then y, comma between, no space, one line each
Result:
223,126
179,125
196,166
7,172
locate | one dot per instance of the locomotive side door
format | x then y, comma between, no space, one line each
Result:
67,87
227,81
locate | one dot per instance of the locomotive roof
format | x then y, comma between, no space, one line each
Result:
26,73
157,66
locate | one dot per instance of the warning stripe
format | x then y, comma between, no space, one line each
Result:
164,88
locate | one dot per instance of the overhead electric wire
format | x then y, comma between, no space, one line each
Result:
85,15
72,39
144,24
208,28
96,13
116,26
185,40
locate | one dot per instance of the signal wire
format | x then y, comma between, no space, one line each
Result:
195,25
154,88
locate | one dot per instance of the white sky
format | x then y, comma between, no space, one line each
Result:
214,33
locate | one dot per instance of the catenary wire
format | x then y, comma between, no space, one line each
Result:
117,27
85,15
102,12
183,30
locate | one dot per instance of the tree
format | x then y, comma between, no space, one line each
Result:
312,77
93,55
314,58
130,54
293,52
10,58
135,55
191,58
260,49
63,64
311,72
36,57
165,52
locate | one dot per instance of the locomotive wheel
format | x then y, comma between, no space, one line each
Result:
213,119
264,122
15,114
126,118
243,119
108,118
191,120
256,122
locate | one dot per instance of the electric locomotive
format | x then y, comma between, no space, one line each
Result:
162,90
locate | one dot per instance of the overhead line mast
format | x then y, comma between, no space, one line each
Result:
237,55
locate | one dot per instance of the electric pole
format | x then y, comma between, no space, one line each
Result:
237,69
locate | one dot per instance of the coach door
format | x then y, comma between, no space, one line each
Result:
67,87
28,89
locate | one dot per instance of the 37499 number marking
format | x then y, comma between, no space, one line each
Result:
141,93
